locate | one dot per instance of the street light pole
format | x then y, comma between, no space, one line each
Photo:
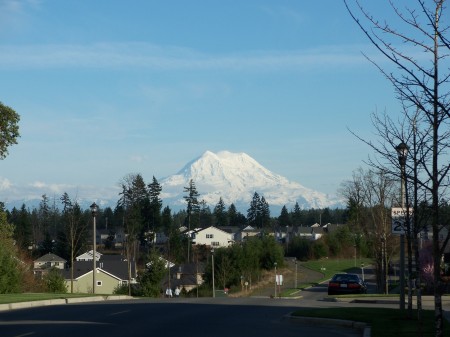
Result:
94,209
275,280
212,262
295,260
402,151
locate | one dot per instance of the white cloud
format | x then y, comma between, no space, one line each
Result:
13,13
284,13
31,193
5,184
143,55
137,158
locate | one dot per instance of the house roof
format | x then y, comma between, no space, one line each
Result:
188,268
50,258
188,275
229,229
89,254
212,228
115,268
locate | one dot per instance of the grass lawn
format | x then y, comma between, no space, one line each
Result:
329,267
384,322
26,297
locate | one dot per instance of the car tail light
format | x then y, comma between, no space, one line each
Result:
354,285
333,285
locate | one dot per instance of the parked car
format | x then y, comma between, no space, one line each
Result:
344,283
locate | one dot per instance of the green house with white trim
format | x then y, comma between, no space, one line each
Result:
110,274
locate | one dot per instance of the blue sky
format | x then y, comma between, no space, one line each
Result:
106,88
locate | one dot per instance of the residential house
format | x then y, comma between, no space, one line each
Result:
167,263
42,265
103,235
212,236
311,233
161,238
247,233
186,276
88,256
112,272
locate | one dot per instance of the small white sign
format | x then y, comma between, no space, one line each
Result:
279,280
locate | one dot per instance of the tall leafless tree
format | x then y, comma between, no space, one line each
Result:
418,45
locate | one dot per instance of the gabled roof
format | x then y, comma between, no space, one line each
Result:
229,229
88,255
50,258
214,228
167,263
188,275
188,268
116,269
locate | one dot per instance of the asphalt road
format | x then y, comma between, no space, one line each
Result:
258,316
166,317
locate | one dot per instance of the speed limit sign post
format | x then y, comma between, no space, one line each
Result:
398,215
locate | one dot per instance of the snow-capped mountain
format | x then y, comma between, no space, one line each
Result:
233,176
236,177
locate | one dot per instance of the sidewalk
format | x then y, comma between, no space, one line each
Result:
427,302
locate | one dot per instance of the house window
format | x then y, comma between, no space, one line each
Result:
210,236
99,283
215,243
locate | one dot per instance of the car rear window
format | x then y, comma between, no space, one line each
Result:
344,277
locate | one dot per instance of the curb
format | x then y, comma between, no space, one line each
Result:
359,326
60,301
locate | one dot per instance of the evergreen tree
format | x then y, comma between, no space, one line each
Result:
72,238
264,210
193,205
297,215
132,203
54,281
233,218
166,220
193,208
22,224
206,217
10,274
220,214
47,245
254,212
150,280
284,219
154,190
44,214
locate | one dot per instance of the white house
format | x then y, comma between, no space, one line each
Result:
213,237
88,256
43,264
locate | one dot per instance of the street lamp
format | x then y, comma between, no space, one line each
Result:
212,262
295,260
402,151
94,209
275,264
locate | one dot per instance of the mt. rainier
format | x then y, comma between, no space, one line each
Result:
236,177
